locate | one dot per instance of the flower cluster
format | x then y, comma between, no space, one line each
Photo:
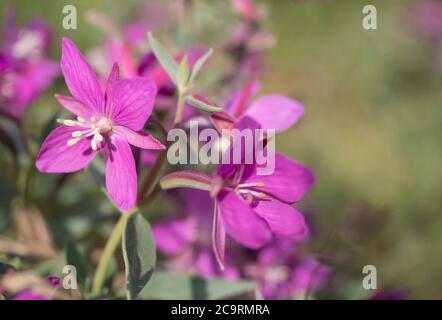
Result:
228,221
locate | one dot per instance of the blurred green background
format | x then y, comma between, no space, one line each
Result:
372,129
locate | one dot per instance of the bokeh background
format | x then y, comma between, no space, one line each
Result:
372,132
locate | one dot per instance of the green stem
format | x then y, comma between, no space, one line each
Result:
109,250
180,109
151,178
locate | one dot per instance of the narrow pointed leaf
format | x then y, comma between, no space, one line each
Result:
202,103
199,64
164,58
139,254
182,75
186,179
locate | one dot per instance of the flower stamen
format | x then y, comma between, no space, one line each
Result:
94,129
251,184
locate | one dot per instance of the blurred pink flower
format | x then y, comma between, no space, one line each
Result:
185,238
25,71
427,17
30,294
279,268
110,120
283,273
244,8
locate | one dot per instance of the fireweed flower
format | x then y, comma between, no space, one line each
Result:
25,72
282,272
251,208
109,120
30,294
249,41
28,286
244,8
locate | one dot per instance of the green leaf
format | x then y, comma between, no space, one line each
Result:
199,64
73,257
172,286
182,76
186,179
139,254
201,103
165,59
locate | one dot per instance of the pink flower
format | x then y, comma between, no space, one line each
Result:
25,72
282,272
251,207
244,8
30,294
110,119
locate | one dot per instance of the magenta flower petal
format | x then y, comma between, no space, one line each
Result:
57,156
283,219
275,112
310,273
241,223
138,139
289,182
80,79
74,106
121,175
173,235
30,295
132,102
205,264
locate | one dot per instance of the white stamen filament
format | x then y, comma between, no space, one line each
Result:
92,129
251,184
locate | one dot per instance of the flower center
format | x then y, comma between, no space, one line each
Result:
92,128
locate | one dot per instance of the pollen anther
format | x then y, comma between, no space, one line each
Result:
71,142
